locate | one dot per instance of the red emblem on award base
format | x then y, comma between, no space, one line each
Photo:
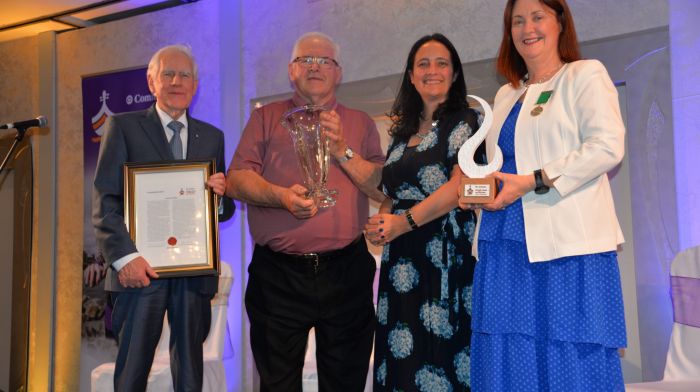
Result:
172,241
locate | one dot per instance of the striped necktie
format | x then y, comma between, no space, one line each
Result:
176,142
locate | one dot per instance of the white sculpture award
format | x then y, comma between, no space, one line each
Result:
478,188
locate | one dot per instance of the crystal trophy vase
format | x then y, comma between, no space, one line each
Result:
311,147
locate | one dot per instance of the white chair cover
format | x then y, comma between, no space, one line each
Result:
683,359
160,379
682,371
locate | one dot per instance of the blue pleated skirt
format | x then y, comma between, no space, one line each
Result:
549,326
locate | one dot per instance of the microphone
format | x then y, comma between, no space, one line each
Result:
37,122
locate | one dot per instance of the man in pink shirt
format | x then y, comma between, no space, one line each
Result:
310,267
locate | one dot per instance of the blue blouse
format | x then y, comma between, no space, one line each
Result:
507,223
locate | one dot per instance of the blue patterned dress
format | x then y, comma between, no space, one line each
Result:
546,326
423,309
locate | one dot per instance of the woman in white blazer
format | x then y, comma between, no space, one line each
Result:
547,308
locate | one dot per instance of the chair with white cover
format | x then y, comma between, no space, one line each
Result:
682,371
217,349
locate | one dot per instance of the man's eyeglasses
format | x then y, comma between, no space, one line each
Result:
169,75
323,62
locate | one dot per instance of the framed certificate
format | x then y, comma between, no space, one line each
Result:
172,217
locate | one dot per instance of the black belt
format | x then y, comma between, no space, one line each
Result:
315,258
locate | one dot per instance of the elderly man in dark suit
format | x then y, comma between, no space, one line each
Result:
161,133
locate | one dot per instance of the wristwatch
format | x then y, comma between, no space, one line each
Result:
540,187
349,154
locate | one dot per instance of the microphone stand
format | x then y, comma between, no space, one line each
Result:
18,138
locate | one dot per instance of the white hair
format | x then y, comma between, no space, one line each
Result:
319,36
154,64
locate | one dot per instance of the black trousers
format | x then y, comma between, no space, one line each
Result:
288,295
137,320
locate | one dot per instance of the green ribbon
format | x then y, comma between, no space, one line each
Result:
544,97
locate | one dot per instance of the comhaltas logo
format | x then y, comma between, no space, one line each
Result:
138,98
99,120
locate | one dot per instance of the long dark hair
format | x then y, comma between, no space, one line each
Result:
406,111
509,62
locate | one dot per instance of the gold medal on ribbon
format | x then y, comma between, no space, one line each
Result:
543,98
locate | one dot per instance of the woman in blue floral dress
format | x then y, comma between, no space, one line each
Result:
423,310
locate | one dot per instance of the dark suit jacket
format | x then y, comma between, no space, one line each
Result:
139,137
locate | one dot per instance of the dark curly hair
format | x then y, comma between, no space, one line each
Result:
406,111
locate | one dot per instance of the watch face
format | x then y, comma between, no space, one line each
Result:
348,153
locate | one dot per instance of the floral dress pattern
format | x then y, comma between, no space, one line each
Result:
425,282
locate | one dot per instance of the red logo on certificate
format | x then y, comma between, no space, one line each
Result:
172,241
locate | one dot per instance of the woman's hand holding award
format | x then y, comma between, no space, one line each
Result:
477,188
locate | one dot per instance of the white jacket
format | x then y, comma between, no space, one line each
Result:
577,139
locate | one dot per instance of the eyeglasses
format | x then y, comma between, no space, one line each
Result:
170,75
323,62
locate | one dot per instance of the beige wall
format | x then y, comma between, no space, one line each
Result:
19,80
19,89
